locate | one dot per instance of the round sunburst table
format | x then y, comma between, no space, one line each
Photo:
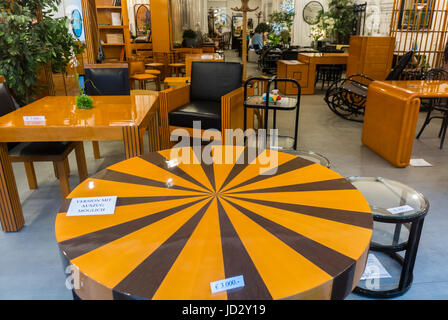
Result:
291,228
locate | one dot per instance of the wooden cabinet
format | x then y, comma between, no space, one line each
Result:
292,69
113,29
370,56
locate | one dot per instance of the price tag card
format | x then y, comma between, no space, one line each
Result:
34,118
400,209
227,284
93,206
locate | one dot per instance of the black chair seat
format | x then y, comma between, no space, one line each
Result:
43,149
355,88
208,112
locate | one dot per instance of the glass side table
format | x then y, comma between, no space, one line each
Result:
309,155
393,205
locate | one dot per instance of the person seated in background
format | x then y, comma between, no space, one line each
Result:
257,39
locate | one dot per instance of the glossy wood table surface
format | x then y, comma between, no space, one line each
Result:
300,232
313,59
391,116
112,118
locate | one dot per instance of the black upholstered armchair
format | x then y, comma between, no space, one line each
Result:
108,79
214,97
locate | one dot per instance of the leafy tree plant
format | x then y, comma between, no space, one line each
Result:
30,40
339,19
281,22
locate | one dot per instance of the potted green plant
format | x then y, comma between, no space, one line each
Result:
189,37
84,102
32,40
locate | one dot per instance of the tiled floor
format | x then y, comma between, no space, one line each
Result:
31,268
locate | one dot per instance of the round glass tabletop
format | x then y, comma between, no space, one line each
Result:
391,200
311,156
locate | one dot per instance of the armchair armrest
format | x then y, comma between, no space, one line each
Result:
171,99
232,110
175,97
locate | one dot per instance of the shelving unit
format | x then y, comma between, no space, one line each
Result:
116,39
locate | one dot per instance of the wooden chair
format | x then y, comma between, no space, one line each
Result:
160,61
177,59
207,99
138,73
154,127
56,152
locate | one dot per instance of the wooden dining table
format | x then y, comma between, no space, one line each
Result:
58,119
189,58
314,59
391,116
288,227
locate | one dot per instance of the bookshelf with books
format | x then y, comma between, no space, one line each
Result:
113,29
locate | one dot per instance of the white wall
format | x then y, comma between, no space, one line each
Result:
301,29
229,4
66,8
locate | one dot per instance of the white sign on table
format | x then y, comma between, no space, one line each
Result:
401,209
34,120
92,206
227,284
374,269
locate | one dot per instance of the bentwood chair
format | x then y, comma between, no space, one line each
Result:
30,152
214,97
437,106
347,97
107,79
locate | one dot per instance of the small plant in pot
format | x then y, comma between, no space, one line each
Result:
189,37
84,102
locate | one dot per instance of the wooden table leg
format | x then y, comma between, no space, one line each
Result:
81,161
11,215
96,149
63,178
132,141
30,174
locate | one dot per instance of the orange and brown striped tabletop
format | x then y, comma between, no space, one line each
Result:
298,230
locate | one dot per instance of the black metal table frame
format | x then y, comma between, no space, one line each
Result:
410,247
266,107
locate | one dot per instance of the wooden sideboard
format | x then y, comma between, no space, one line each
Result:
370,56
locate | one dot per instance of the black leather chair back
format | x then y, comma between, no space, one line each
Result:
401,65
7,102
107,82
211,80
